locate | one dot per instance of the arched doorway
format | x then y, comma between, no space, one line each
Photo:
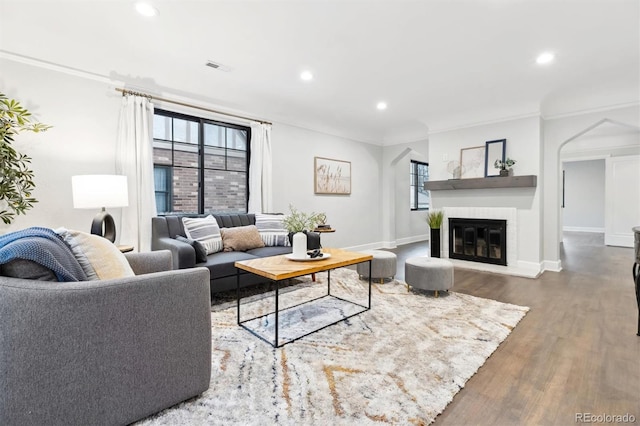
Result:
601,149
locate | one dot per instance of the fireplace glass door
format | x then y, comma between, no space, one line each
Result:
478,240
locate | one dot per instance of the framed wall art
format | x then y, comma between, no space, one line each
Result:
495,151
331,176
472,162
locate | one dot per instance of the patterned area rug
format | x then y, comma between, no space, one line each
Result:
401,362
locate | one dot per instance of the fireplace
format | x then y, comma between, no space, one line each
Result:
478,240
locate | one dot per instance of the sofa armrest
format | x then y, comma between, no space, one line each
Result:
147,262
103,352
183,254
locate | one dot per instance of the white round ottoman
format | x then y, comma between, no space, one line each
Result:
428,273
383,265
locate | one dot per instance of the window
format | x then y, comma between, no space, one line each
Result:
200,165
162,180
419,197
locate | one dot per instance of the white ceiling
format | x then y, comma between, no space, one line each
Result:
437,63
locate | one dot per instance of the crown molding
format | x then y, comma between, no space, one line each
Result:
56,67
486,122
591,110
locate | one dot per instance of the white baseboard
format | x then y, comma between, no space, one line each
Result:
414,239
371,246
619,240
582,229
552,265
389,244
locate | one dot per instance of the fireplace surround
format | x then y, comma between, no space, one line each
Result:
515,265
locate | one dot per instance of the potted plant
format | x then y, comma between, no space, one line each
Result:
16,178
434,219
298,224
297,221
505,166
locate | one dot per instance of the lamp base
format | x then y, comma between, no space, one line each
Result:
104,221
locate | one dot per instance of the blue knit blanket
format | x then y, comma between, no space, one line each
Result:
44,247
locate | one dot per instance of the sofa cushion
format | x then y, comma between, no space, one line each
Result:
241,238
222,264
272,230
229,220
204,230
269,251
28,270
201,251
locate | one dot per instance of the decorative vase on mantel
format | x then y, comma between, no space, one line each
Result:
504,172
434,242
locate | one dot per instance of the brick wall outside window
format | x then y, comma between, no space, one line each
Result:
224,176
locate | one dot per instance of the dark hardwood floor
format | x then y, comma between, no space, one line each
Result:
576,351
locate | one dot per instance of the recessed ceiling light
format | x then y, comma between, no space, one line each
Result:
545,58
381,106
306,76
145,9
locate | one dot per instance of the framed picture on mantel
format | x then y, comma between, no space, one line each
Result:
495,151
472,162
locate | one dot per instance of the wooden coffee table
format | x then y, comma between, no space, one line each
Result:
279,268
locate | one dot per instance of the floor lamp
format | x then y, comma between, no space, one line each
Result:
100,191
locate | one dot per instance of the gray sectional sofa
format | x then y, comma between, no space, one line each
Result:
165,229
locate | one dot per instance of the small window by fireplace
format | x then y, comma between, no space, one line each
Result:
419,197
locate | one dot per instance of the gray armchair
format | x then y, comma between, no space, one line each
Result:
104,352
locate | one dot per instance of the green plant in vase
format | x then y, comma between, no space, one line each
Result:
16,177
297,221
434,219
504,166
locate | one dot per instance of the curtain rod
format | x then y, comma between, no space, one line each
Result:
131,92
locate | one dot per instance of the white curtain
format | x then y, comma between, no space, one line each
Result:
134,159
260,186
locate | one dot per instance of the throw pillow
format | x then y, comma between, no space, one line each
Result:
205,230
272,230
99,258
241,238
201,252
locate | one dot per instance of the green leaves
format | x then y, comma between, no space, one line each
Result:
297,221
434,219
16,178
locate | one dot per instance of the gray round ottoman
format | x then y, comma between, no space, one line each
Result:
428,273
383,265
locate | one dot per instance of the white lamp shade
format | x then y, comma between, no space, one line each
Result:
96,191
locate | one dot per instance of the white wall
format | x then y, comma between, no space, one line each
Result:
584,196
523,145
84,113
557,133
402,225
356,217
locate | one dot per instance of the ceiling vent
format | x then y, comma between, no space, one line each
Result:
218,66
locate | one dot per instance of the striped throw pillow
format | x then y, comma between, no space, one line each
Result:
272,230
205,230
